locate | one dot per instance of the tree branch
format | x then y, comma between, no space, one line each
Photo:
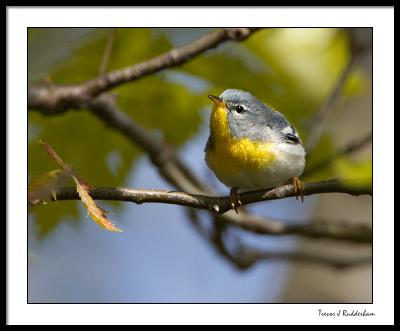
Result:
58,98
220,205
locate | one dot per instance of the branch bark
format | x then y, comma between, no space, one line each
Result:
220,205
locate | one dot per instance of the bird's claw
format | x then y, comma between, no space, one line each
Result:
298,188
234,198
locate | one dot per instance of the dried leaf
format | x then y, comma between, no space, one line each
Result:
93,210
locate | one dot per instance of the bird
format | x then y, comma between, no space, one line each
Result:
252,146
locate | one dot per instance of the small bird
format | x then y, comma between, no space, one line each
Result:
251,146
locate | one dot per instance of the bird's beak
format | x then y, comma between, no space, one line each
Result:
216,100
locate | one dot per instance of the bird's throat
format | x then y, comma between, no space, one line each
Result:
219,123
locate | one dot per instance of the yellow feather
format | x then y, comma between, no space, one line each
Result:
230,155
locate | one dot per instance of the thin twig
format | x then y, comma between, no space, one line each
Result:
107,51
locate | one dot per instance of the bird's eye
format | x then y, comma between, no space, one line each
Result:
239,109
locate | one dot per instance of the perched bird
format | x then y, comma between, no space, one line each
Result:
251,146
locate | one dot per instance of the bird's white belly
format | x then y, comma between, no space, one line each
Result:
288,163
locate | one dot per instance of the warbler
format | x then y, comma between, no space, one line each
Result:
251,146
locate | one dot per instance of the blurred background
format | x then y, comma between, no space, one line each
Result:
159,256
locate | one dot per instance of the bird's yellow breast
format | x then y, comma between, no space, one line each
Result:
228,156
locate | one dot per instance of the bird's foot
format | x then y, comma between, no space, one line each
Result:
234,198
298,188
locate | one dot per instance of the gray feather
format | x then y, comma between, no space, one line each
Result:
257,122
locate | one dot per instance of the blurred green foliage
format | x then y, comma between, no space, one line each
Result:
291,69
